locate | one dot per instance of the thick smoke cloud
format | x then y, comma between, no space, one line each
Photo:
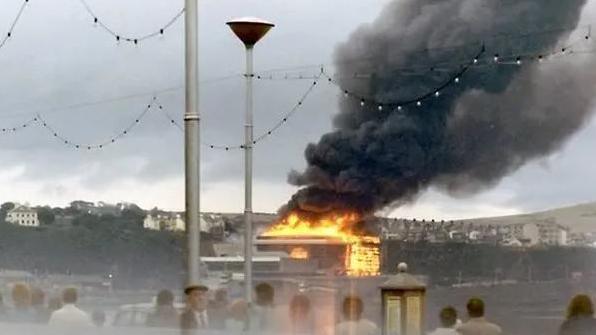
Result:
494,121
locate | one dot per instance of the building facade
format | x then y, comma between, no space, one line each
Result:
172,222
23,216
552,234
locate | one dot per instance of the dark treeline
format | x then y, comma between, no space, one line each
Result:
96,245
450,263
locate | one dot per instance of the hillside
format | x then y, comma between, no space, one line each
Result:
580,218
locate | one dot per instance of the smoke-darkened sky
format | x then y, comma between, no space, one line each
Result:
58,58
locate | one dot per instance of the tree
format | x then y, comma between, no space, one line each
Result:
134,215
45,215
4,209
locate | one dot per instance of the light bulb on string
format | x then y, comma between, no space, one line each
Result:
475,60
380,108
362,103
518,61
496,58
437,94
346,94
456,80
540,58
399,108
419,103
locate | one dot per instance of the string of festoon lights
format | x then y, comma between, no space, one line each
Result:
125,38
304,72
479,60
152,105
10,32
284,119
126,131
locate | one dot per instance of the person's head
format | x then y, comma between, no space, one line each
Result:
448,317
238,310
352,308
98,318
54,304
21,296
475,308
70,296
165,298
580,306
221,295
196,297
264,294
299,307
38,298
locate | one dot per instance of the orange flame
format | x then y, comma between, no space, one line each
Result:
362,254
299,253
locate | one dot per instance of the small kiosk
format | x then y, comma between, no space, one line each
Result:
403,304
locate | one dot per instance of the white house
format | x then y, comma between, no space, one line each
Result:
175,222
23,216
552,234
170,222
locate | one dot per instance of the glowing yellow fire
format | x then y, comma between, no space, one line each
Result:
299,253
362,254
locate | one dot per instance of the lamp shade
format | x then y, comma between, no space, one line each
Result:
250,29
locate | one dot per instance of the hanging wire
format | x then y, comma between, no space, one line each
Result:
455,78
496,59
285,117
22,126
290,113
9,34
67,142
119,98
135,40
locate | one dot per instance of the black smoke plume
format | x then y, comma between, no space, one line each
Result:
497,118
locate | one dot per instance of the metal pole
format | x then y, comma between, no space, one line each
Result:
192,142
248,136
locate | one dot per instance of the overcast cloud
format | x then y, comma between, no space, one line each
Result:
58,58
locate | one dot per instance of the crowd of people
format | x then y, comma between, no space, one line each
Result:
29,306
298,317
579,321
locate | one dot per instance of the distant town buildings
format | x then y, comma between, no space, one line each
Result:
542,233
164,221
22,216
174,222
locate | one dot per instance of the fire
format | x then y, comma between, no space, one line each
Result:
362,254
299,253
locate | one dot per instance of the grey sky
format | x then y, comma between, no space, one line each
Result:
58,58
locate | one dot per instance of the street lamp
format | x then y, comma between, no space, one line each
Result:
191,141
249,30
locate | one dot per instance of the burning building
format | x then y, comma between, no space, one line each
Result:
333,242
451,131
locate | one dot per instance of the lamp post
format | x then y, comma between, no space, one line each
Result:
249,30
192,142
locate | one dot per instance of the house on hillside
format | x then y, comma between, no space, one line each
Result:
172,221
552,234
164,221
23,216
